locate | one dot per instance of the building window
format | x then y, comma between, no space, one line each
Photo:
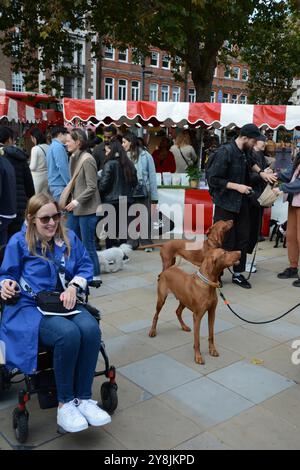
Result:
154,60
109,88
69,87
227,73
192,95
123,56
109,53
122,90
176,93
234,99
79,88
136,57
153,92
213,97
243,99
135,91
236,73
245,74
79,55
225,98
165,93
165,61
18,81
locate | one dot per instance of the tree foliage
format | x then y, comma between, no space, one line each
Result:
198,32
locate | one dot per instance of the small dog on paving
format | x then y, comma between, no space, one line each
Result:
112,259
196,292
279,232
193,251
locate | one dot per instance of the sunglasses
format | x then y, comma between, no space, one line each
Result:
46,219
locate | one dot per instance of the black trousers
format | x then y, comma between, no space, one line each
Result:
238,237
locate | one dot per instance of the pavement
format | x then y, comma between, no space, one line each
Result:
248,398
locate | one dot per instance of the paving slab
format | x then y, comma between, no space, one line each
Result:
254,382
205,441
279,359
159,373
152,425
205,402
244,342
124,350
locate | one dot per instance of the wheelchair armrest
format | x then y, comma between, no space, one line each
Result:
95,284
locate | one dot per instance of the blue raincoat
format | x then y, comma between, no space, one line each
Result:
19,329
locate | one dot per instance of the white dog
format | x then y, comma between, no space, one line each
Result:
112,259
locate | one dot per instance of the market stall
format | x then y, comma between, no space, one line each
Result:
217,115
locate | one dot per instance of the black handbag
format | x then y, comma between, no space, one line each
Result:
140,191
50,303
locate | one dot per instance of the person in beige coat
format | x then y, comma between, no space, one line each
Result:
85,197
183,152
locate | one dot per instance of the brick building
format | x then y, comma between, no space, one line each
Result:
119,76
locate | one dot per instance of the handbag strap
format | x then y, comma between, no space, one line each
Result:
183,156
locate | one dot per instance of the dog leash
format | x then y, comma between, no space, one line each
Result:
226,302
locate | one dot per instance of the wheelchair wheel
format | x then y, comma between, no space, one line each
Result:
20,425
109,396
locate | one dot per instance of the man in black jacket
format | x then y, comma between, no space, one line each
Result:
8,202
229,182
109,134
24,183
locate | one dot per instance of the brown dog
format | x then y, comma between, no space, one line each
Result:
193,251
196,294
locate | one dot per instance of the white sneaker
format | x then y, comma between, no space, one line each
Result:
248,268
70,419
94,415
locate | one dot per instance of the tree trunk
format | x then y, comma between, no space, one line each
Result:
202,66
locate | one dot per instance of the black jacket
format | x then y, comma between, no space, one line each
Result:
99,155
229,165
112,183
8,201
24,182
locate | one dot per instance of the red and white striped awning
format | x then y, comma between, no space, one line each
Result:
209,114
14,110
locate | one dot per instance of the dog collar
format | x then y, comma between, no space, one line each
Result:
207,281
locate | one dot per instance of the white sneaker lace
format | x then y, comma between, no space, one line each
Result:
71,408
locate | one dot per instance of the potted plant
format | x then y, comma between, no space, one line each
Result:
194,174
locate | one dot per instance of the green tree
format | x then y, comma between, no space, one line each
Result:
274,56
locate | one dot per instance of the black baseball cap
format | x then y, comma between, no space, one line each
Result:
252,132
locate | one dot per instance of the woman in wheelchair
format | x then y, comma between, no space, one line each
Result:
40,258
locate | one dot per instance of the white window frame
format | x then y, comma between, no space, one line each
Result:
122,89
243,99
226,98
109,86
79,89
216,72
247,75
17,79
166,58
109,50
126,55
227,71
176,94
192,95
153,90
157,59
165,93
135,90
212,96
234,100
236,76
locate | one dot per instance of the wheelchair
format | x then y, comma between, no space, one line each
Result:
42,382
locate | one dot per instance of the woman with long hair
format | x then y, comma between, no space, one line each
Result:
183,151
85,198
44,256
38,161
146,175
116,184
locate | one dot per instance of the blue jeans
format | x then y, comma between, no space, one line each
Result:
76,341
85,228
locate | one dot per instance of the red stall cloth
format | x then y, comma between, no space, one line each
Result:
171,113
192,211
